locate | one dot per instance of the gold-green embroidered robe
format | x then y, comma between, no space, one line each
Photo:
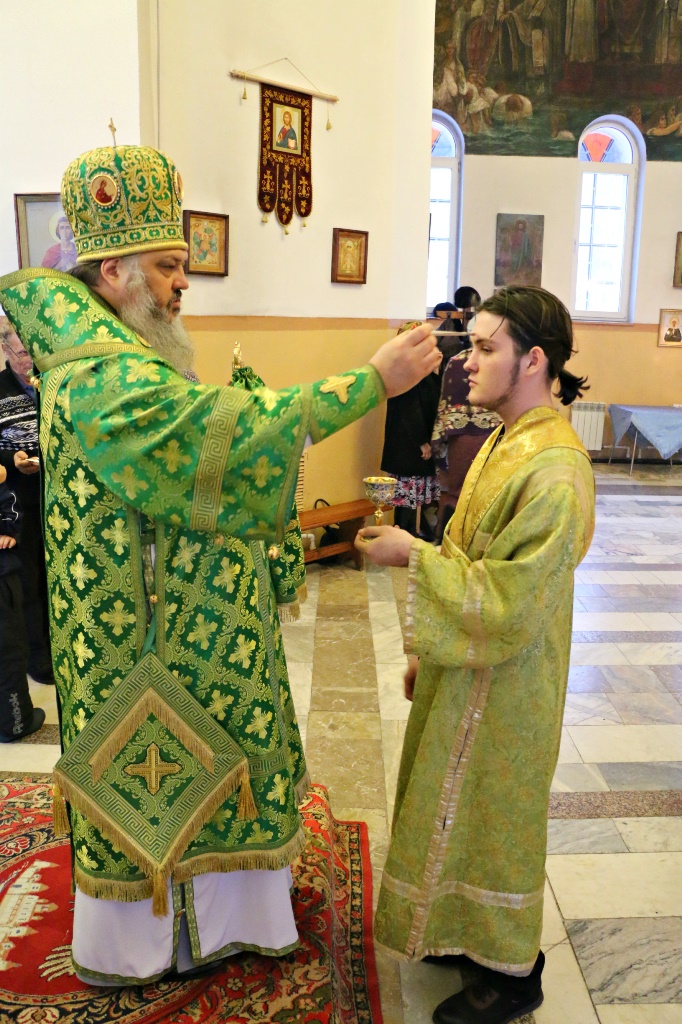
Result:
490,618
135,455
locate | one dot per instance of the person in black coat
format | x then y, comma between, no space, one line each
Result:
18,717
407,450
19,456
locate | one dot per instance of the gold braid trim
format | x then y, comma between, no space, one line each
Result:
160,872
302,790
148,704
60,818
290,612
242,860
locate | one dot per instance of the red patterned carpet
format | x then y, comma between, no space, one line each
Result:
330,979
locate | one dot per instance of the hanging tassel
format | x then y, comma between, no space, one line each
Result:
305,223
159,894
329,123
244,93
246,805
265,218
286,231
60,819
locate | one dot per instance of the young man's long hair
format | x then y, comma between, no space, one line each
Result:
536,317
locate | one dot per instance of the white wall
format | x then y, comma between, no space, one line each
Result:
549,186
66,68
370,172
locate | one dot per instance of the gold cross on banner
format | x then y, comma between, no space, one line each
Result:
112,128
153,768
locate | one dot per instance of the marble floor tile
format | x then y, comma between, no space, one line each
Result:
614,621
597,604
588,679
379,583
29,757
384,615
392,737
568,752
659,620
344,699
597,743
567,1000
299,640
358,631
424,987
349,726
598,654
388,972
345,612
344,663
586,835
610,885
578,778
591,709
648,835
651,654
44,697
553,930
630,960
644,708
392,701
388,646
670,675
301,682
348,768
631,678
642,775
343,586
641,1013
303,728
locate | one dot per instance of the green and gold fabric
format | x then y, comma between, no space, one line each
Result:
490,618
145,476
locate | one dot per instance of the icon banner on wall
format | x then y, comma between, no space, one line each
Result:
285,174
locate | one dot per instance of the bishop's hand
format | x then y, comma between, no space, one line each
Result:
406,359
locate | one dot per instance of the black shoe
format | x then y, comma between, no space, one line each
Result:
36,722
481,1004
43,680
448,960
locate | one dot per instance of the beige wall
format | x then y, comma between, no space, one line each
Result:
288,350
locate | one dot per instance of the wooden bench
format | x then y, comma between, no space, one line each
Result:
350,515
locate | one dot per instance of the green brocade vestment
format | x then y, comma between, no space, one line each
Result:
184,756
490,618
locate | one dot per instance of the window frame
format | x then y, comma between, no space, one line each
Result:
456,163
635,173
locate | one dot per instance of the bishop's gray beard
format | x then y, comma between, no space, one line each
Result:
140,312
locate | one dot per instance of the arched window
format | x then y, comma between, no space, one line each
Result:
447,150
607,244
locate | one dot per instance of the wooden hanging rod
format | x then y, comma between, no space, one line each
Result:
248,77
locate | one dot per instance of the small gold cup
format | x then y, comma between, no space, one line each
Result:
380,490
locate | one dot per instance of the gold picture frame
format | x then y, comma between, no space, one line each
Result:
44,235
208,238
677,269
349,256
670,328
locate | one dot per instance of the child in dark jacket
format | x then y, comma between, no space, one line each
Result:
18,717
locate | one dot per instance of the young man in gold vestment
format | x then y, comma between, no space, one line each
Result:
488,631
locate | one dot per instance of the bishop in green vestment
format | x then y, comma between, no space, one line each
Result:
489,618
165,504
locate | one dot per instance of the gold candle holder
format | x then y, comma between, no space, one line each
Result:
380,490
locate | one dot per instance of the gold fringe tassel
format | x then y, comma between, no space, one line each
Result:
265,218
160,893
290,612
60,819
246,805
302,593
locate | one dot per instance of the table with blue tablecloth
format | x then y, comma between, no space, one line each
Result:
660,425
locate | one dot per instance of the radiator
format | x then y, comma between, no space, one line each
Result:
587,419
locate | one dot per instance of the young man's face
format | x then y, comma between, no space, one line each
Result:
493,365
164,271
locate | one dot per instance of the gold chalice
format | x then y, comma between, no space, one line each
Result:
380,490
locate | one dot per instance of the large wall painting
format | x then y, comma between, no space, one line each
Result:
526,76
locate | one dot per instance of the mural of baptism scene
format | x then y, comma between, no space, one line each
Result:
526,76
